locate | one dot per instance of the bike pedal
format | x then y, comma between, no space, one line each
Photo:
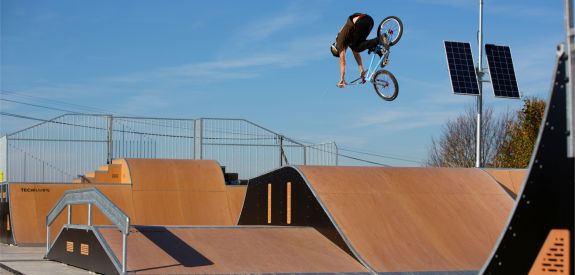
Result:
384,63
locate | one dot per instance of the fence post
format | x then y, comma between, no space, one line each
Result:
281,150
198,138
3,159
336,154
110,139
305,154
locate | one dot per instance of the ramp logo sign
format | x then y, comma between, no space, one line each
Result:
38,190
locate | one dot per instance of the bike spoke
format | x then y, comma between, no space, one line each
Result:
391,28
385,84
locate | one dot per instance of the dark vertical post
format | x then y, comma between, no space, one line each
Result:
109,139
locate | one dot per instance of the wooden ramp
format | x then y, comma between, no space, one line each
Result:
511,179
149,191
390,219
203,250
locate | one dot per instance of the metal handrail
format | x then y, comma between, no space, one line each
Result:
91,196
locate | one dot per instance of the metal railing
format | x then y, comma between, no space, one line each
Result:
59,149
91,196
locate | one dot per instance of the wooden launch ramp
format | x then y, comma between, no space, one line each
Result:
390,219
149,191
306,219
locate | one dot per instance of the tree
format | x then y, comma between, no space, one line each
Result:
456,145
516,151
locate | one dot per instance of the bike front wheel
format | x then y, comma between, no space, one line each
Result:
393,27
385,85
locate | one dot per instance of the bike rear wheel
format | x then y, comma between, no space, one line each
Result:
385,85
393,27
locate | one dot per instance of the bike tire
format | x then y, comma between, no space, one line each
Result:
393,28
385,85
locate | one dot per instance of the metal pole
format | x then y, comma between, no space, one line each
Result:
47,239
336,155
89,214
281,151
125,246
480,80
110,137
198,138
124,252
69,214
570,35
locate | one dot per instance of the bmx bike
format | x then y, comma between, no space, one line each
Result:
384,82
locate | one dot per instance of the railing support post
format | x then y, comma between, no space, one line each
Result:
69,214
47,239
125,246
89,214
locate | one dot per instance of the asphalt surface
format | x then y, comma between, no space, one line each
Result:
29,261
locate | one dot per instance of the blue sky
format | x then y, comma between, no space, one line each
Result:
265,61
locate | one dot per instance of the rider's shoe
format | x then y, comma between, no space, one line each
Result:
384,62
384,40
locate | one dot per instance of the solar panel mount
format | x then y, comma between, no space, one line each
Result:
461,70
501,71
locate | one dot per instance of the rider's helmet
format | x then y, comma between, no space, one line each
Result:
334,50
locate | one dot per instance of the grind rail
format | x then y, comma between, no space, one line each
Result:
91,196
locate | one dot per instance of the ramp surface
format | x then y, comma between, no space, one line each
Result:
512,179
390,219
168,192
220,250
414,219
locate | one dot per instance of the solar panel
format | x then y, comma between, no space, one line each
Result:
501,71
461,70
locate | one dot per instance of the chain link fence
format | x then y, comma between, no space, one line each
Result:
60,149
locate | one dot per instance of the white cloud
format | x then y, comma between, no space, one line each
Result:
400,120
250,65
265,27
262,27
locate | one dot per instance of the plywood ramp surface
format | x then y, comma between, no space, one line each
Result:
236,196
168,192
512,179
161,250
30,203
179,192
414,219
176,175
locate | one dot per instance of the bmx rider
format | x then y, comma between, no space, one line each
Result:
354,34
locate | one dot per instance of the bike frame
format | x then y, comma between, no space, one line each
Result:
372,69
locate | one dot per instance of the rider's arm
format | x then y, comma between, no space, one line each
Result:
342,65
359,62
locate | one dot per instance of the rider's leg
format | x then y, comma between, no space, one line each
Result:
362,29
384,40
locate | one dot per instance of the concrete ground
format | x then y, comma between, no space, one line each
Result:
29,261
